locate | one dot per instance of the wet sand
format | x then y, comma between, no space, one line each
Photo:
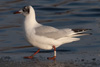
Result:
68,59
34,63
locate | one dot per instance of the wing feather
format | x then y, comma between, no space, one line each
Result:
52,32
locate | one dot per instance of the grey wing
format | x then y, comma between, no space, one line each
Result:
52,32
45,29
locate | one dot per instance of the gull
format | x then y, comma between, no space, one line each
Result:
46,37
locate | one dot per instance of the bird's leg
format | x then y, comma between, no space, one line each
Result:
30,57
54,57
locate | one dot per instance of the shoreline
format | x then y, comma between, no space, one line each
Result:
40,60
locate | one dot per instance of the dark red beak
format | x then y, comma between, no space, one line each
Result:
17,12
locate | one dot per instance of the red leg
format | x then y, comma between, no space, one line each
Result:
30,57
54,57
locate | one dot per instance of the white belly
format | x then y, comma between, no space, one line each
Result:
42,42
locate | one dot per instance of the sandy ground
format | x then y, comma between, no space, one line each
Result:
63,59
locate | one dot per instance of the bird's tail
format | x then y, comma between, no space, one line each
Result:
80,32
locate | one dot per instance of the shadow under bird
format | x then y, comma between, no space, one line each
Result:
46,37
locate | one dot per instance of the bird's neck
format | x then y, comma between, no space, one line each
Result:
30,23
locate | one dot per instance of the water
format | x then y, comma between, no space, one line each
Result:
57,13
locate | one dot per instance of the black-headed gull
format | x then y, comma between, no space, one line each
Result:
46,37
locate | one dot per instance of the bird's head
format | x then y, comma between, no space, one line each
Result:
26,10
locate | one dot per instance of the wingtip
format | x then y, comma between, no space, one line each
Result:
80,30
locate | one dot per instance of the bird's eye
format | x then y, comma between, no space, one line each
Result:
26,9
23,10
